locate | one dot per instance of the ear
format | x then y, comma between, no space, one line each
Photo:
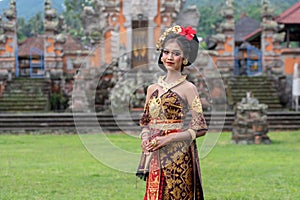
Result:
185,61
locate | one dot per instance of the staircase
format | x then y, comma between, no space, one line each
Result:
25,95
261,88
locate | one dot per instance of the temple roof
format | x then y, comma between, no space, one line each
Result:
252,35
290,16
70,46
36,42
244,26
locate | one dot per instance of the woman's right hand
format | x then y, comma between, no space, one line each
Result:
144,144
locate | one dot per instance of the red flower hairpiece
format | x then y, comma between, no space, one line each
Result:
189,32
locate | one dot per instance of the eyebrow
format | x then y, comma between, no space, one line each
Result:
171,49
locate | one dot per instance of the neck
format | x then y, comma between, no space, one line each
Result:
172,76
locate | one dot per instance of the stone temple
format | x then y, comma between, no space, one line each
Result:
54,72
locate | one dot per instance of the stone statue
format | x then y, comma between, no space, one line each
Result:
279,37
250,124
266,11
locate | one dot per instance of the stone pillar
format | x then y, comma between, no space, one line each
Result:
8,40
54,39
270,42
225,41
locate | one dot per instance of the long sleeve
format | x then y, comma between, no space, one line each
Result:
197,122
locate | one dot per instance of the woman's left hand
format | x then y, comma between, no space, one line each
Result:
158,142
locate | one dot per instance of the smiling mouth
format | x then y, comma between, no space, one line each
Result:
169,63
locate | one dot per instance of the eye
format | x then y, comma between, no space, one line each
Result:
166,52
177,53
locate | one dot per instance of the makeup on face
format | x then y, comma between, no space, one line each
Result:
172,56
167,52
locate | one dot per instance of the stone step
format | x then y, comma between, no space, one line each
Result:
261,100
24,109
254,88
22,103
25,94
256,95
261,88
31,89
35,122
246,78
28,89
24,99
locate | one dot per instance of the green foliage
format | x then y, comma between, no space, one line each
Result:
59,167
72,14
33,27
210,11
208,22
57,101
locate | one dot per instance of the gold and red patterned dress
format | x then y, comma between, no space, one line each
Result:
174,170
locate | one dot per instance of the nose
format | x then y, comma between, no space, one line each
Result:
170,55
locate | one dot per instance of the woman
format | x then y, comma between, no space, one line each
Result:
170,162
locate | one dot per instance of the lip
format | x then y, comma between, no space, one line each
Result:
169,63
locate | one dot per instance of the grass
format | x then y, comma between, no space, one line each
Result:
59,167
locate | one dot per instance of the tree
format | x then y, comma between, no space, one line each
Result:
72,16
34,26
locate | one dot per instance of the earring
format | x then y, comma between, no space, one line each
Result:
185,61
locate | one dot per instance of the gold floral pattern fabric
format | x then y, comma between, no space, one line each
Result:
179,169
170,106
196,105
177,166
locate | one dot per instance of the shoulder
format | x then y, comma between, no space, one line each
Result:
151,89
189,86
190,91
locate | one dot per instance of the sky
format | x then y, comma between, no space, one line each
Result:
29,8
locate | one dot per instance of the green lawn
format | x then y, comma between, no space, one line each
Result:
59,167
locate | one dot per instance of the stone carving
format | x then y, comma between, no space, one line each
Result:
2,32
60,37
90,21
50,23
227,13
250,124
189,17
218,38
138,7
273,65
170,10
279,37
11,15
266,11
103,17
11,12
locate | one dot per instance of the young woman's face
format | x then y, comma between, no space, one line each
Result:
172,56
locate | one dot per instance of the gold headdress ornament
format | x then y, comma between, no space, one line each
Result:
188,32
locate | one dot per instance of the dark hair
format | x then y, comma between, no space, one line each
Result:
189,47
